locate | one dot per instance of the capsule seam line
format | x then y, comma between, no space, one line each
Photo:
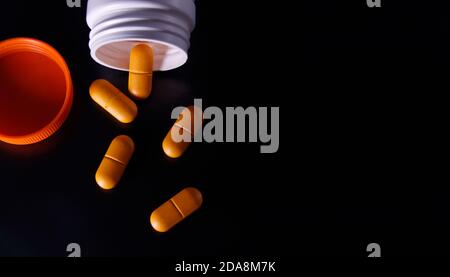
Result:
114,159
142,73
176,207
178,125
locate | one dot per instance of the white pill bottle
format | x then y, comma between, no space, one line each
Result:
118,25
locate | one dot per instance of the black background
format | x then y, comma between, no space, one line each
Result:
376,81
363,150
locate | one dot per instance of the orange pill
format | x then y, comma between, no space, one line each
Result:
113,100
115,162
176,209
141,71
185,123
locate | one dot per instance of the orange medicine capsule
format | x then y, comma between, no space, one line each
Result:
113,101
141,71
114,163
185,123
176,209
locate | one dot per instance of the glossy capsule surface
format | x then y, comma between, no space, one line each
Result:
141,71
114,162
176,209
113,101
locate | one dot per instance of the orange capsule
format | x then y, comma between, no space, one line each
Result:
113,100
176,209
185,125
115,162
141,71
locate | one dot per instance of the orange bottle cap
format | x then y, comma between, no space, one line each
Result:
36,91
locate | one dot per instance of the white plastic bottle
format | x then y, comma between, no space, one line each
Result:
118,25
